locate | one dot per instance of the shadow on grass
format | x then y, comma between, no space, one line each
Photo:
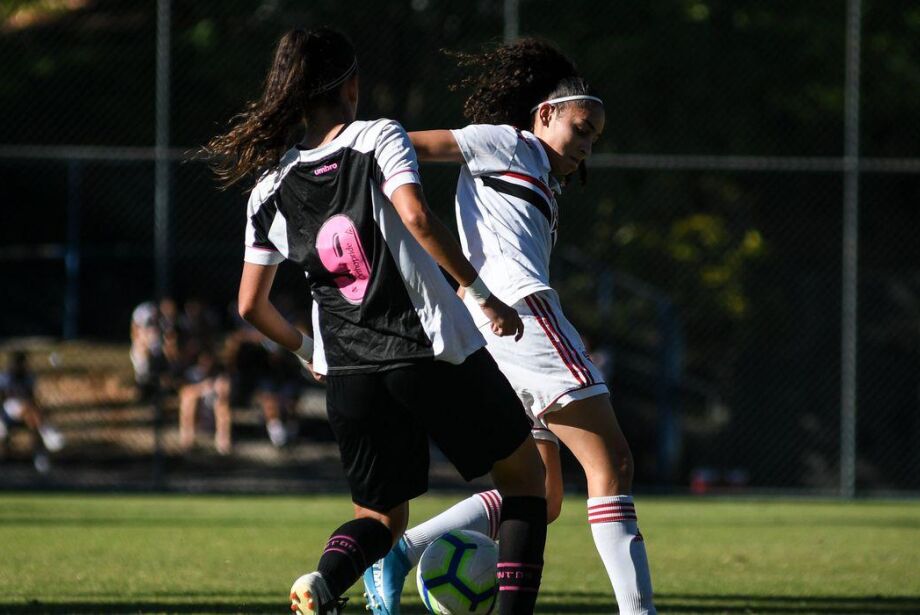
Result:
551,603
692,603
143,606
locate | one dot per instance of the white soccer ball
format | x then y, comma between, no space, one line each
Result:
457,574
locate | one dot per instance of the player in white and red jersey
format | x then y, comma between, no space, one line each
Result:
400,354
535,121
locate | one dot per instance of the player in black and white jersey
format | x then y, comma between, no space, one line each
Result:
400,353
535,121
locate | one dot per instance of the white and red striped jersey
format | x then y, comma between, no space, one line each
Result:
506,210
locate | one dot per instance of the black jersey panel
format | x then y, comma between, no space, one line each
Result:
367,319
262,222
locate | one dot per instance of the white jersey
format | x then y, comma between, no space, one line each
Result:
506,210
379,300
508,219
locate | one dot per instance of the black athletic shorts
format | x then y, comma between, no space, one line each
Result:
382,422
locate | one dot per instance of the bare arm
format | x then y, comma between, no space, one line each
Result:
434,237
436,146
430,232
255,307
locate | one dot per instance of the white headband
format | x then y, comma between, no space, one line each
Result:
562,99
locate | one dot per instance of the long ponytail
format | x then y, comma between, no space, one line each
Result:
306,73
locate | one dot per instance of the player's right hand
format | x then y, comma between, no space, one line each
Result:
505,320
308,365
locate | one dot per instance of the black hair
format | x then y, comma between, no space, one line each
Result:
507,82
307,73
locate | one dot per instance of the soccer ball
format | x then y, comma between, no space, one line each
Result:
457,574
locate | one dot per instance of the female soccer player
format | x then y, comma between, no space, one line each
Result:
535,121
400,354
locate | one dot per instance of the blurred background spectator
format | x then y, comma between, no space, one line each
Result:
19,408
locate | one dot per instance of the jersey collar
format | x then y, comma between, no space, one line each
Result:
317,153
551,181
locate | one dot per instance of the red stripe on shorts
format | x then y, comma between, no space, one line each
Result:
579,360
544,324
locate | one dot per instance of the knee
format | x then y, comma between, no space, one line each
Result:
188,394
222,387
521,474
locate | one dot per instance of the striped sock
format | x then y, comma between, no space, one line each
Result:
615,528
350,550
492,502
479,513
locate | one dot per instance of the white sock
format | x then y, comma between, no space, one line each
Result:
616,534
479,513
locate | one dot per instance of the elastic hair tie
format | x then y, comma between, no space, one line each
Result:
562,99
337,82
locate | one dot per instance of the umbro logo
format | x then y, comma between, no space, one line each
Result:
326,168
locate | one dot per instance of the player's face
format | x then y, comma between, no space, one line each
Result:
570,134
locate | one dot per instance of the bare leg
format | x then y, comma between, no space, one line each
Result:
521,473
549,452
188,404
590,429
223,421
271,410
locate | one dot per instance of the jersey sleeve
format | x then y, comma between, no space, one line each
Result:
395,158
263,224
487,148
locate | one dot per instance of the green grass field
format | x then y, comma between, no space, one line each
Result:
201,554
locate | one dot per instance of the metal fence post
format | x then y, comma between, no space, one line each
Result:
161,206
848,365
162,164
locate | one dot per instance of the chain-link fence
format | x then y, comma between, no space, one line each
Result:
704,260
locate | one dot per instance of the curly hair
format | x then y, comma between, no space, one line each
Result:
307,69
508,81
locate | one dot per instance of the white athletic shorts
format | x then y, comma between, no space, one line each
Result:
549,367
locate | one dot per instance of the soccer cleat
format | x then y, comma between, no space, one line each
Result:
310,596
384,580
